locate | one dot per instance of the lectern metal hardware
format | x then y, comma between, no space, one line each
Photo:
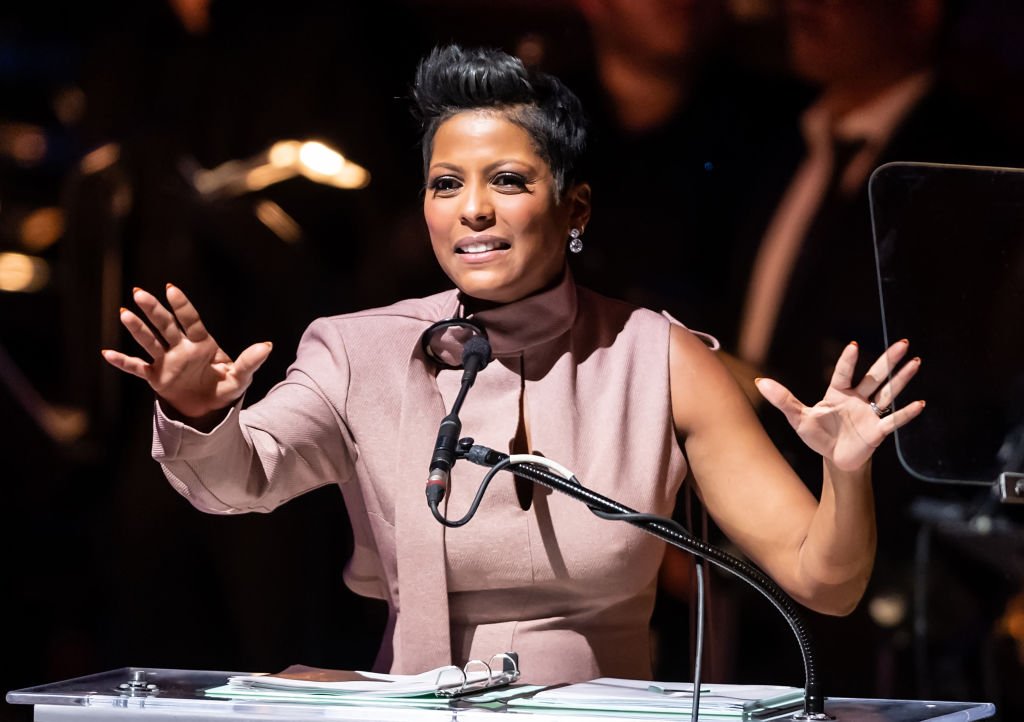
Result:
1010,488
138,685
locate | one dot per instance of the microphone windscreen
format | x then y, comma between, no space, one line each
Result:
477,346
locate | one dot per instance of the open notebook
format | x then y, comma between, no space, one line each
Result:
300,683
491,684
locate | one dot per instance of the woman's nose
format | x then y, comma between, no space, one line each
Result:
477,211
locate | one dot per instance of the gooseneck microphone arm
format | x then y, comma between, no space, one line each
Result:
665,529
476,354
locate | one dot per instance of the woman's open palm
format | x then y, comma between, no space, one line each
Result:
847,425
187,368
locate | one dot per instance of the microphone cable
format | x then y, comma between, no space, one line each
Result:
485,482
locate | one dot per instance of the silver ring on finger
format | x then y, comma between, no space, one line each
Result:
879,411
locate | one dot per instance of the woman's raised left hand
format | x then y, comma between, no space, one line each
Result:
850,422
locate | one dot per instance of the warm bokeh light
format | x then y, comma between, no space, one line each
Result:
888,610
22,274
262,176
1012,623
315,158
530,50
23,142
351,176
323,164
69,105
100,159
283,154
277,220
285,159
64,423
41,228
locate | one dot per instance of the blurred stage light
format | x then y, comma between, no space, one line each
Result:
100,159
285,159
351,176
69,105
530,49
265,175
323,164
41,228
63,424
888,609
1012,623
277,220
284,154
23,142
317,159
22,274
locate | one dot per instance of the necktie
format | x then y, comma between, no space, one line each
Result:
844,150
805,309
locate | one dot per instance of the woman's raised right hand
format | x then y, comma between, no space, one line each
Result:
187,370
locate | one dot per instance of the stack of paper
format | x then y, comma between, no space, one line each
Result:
299,683
612,695
299,678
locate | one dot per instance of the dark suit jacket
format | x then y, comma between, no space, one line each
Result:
833,299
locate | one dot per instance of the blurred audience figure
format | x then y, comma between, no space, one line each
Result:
675,118
805,279
882,97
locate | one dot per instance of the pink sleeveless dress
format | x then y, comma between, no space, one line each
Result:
572,594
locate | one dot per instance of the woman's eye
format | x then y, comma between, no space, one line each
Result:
445,184
510,180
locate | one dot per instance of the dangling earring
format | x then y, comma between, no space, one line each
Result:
575,242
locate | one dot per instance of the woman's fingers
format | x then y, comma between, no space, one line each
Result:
129,364
186,313
842,377
781,398
250,360
142,334
900,417
162,319
888,393
188,369
878,374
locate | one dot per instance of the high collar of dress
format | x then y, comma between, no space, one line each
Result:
515,327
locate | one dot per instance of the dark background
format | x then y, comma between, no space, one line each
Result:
104,565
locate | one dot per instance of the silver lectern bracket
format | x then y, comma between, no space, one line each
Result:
138,685
1010,488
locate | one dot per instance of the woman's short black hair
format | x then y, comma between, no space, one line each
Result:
452,79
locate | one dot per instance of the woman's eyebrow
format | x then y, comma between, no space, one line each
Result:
490,167
498,163
446,166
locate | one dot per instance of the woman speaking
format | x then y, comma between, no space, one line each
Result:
627,399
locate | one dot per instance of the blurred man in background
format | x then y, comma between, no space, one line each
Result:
879,67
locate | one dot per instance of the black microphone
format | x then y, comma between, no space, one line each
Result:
476,354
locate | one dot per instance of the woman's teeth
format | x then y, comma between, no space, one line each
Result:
482,247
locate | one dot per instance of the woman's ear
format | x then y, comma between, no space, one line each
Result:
578,200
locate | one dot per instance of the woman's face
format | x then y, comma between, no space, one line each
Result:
491,209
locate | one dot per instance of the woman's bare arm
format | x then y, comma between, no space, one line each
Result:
820,551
